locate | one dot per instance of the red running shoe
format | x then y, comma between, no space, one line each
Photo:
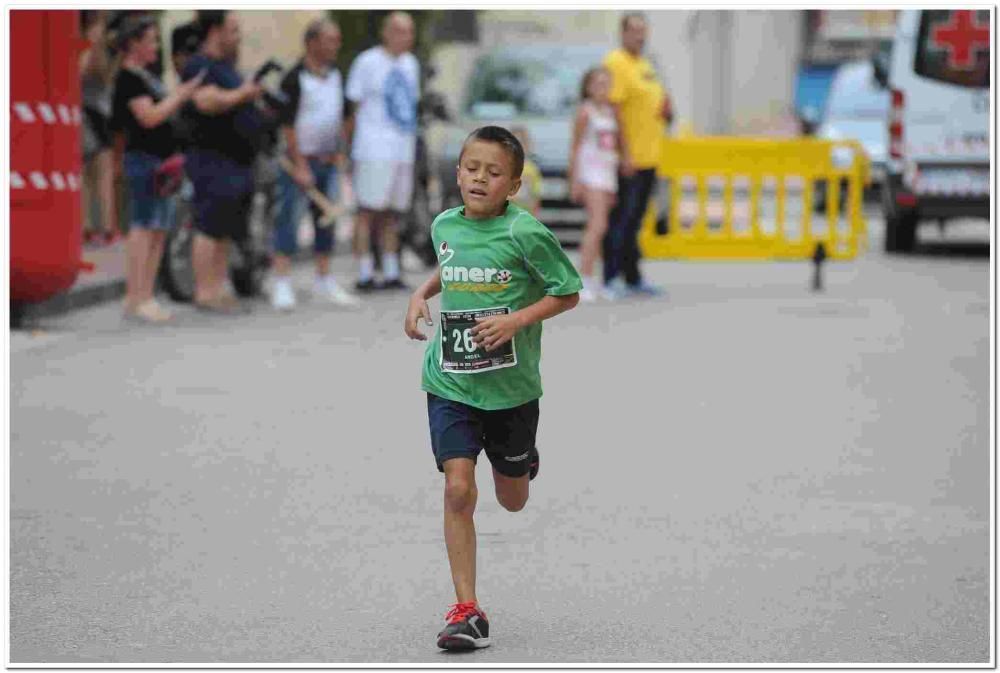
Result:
466,628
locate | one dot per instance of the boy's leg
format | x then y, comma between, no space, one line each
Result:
510,440
460,496
512,492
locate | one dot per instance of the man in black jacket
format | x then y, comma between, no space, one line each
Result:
226,130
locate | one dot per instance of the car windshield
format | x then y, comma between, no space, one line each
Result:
855,93
529,83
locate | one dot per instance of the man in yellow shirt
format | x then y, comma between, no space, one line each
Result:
642,106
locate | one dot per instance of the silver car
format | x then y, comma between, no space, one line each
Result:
537,88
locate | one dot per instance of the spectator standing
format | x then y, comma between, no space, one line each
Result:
593,172
529,196
96,73
142,110
382,92
312,127
184,42
641,106
225,134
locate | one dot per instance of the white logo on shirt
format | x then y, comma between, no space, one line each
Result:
474,274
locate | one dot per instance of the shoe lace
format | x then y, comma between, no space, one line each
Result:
460,611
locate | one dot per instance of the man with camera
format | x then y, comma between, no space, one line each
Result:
311,123
226,130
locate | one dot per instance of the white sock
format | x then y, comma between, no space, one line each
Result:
390,265
366,267
589,283
327,280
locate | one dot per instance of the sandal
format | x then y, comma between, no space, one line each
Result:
149,311
221,305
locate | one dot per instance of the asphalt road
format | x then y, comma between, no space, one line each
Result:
739,472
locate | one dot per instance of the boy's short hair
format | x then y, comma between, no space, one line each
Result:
502,137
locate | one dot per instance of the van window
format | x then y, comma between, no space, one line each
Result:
953,46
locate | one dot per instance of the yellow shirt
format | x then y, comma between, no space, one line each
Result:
531,185
639,95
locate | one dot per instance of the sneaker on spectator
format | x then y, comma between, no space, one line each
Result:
330,290
647,289
613,291
282,295
369,285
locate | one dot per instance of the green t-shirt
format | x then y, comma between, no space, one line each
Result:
501,264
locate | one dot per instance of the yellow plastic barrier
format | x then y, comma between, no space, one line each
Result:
769,173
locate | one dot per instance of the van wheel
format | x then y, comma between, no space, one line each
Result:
900,230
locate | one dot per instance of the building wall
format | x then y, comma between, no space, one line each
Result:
266,34
767,49
728,71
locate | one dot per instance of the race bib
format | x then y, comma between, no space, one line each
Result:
460,354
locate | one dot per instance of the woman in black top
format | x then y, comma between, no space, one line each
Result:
142,110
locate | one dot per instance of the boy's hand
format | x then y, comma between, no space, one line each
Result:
491,333
417,309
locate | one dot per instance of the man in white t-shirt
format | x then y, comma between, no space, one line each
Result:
382,92
312,129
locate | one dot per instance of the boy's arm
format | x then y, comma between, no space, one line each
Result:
495,332
418,307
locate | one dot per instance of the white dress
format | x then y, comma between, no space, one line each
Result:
597,158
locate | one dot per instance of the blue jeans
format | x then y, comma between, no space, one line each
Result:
621,243
146,210
291,201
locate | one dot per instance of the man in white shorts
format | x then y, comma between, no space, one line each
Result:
382,92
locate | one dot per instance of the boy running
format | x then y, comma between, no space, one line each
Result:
500,274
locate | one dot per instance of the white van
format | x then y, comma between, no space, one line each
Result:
939,144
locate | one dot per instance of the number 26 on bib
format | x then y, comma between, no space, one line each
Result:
460,354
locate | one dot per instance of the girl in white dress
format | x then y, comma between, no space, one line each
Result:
593,169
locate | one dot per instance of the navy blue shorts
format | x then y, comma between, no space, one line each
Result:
223,194
461,431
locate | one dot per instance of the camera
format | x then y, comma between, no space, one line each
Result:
273,97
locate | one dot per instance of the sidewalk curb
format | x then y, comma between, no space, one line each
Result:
90,294
76,298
